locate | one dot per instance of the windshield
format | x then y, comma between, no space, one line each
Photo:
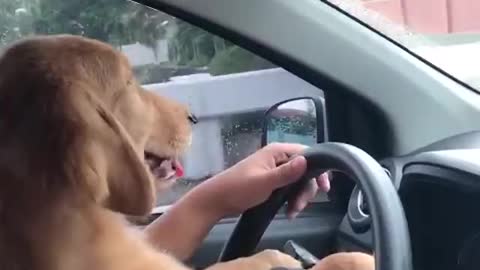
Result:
445,33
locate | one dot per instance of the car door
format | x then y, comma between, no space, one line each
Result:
229,97
387,90
229,93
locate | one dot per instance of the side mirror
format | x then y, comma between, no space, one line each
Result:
298,120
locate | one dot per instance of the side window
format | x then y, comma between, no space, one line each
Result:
227,87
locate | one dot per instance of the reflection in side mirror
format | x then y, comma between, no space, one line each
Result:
295,121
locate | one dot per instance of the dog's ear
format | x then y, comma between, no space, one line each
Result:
118,175
58,134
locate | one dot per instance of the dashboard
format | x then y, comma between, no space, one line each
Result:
439,186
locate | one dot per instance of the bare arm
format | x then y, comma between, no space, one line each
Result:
250,182
183,227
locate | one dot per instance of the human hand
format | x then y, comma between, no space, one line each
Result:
251,181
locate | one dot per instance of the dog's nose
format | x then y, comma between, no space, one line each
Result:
192,118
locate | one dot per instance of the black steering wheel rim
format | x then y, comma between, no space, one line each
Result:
390,230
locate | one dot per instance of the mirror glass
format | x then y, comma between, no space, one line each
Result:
293,121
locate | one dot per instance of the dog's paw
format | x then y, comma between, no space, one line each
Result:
346,260
265,260
273,258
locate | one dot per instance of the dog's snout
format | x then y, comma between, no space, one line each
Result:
192,118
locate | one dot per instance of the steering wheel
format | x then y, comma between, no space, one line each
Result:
390,231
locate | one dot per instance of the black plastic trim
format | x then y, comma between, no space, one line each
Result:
450,177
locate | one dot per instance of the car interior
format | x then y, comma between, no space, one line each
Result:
418,122
409,121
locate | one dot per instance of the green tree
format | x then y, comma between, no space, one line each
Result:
194,46
121,22
236,59
113,21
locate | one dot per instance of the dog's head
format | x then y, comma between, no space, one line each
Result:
76,118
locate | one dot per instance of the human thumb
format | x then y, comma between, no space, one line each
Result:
288,172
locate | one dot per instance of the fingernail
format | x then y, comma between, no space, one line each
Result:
302,205
294,162
297,161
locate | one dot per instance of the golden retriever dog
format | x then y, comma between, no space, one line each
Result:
81,146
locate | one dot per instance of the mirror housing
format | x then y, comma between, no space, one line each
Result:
297,120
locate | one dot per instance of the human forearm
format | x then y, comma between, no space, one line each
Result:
182,229
250,182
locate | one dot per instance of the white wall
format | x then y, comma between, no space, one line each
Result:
211,97
139,54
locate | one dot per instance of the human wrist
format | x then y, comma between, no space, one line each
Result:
190,218
203,201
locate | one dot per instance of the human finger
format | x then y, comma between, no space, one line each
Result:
286,173
283,151
298,203
323,182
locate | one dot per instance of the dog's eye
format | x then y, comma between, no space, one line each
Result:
192,118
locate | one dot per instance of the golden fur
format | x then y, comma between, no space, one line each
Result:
347,261
74,126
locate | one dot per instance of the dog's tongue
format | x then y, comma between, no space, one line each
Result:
178,168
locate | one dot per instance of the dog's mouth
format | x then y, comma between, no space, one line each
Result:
164,168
